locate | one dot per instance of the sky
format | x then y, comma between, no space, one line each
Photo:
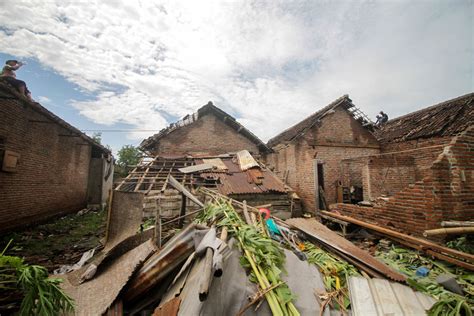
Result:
130,68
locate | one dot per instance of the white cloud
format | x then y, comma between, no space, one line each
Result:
270,63
43,99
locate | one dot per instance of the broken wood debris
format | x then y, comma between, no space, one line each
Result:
344,248
441,252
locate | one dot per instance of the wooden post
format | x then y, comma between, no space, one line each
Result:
158,223
246,213
207,275
183,210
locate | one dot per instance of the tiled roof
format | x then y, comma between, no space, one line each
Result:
190,119
444,119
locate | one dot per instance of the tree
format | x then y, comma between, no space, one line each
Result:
97,137
127,155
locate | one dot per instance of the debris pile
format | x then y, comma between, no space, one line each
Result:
231,259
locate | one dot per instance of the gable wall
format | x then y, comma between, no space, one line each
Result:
338,136
207,136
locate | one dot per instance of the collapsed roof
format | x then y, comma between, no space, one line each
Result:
300,128
228,173
209,108
447,118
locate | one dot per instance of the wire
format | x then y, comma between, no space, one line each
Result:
119,130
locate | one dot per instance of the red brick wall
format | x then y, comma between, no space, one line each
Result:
445,193
207,136
338,136
423,151
52,174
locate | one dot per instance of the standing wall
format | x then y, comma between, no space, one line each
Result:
52,173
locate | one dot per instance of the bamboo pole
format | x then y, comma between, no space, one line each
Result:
449,231
417,241
457,224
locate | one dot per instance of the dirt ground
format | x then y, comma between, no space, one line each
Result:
59,241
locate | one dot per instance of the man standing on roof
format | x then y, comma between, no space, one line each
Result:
8,75
381,119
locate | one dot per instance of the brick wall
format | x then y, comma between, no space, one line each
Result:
336,137
207,136
51,176
445,193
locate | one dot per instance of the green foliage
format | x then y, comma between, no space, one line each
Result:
407,261
128,155
262,256
336,273
463,243
97,137
41,295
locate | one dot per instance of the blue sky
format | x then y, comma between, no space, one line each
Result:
140,65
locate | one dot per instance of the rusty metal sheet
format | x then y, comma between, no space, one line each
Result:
332,240
176,251
246,161
116,309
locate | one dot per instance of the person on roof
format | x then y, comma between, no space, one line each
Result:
382,118
8,75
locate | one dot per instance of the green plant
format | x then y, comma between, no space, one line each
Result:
449,303
41,295
336,273
463,243
261,255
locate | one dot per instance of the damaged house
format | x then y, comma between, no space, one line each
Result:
208,132
424,171
47,167
308,154
417,168
207,149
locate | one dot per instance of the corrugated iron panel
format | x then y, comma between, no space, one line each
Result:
246,161
381,297
238,183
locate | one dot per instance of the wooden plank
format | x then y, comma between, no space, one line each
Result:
332,240
384,297
216,162
361,297
407,299
178,186
417,241
195,168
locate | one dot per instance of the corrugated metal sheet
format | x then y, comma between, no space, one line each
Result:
246,161
236,181
381,297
